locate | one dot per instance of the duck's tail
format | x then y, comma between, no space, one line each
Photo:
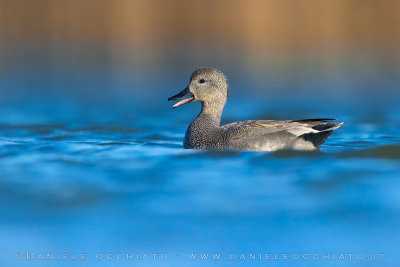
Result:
320,130
327,126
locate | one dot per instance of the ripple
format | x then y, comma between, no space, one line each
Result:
383,152
114,144
107,129
295,153
32,127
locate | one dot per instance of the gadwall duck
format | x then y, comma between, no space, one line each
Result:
210,87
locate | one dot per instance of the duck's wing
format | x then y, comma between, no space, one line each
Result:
315,131
295,127
314,120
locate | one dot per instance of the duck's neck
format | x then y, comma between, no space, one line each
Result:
210,114
203,132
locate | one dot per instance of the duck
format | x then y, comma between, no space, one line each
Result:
210,87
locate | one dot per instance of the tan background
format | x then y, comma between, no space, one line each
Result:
252,24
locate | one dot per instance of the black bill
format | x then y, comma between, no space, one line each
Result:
189,97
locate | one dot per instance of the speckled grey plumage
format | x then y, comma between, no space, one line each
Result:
210,87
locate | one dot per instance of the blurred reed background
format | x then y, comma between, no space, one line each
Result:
94,49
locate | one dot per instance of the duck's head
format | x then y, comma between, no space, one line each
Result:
206,85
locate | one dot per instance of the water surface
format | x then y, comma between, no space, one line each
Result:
112,177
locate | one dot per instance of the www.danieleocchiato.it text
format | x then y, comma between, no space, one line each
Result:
48,256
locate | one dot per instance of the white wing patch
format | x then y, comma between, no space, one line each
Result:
300,130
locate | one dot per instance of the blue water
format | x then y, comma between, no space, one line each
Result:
111,177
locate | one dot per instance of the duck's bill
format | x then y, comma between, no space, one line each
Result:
183,102
189,97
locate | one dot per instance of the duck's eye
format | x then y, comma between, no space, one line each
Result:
202,81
